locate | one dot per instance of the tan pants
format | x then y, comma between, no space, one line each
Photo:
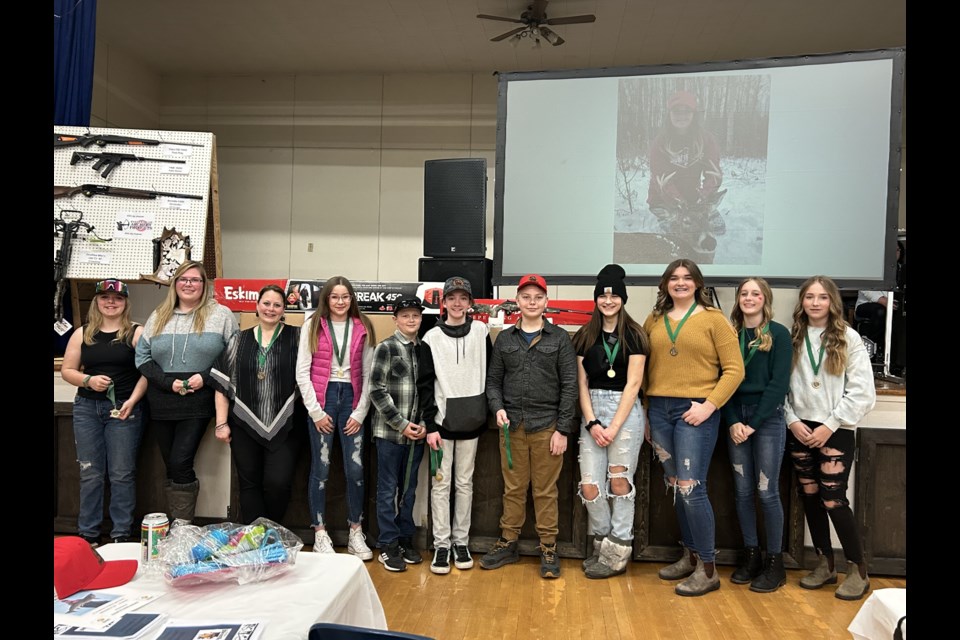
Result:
532,466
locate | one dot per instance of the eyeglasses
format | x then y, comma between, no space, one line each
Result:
112,286
182,280
343,298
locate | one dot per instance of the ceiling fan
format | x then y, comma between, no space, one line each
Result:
535,21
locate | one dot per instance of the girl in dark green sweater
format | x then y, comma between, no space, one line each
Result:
757,432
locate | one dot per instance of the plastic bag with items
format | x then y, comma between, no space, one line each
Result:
227,552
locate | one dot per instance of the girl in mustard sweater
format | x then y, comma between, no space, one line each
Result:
694,367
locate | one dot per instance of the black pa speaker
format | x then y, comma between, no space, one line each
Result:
479,271
454,208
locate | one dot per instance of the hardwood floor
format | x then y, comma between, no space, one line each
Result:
514,602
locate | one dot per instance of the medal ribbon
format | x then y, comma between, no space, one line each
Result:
262,352
814,365
506,444
747,357
340,351
612,355
112,394
674,335
436,457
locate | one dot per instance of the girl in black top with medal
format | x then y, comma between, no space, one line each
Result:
258,404
107,417
611,352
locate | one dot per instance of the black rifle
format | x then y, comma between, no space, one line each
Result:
69,229
511,306
67,140
110,161
90,190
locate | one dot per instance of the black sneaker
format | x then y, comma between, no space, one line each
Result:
504,552
461,557
93,541
409,552
441,561
549,565
124,539
391,557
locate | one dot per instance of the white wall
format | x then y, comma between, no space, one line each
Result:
126,93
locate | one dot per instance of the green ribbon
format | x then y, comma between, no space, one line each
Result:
436,457
406,475
112,394
674,335
262,352
506,443
340,351
815,365
743,344
612,355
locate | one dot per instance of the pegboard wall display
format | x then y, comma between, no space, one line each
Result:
132,186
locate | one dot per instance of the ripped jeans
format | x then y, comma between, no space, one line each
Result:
685,452
338,405
756,472
609,513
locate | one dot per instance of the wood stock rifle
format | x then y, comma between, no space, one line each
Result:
101,140
90,190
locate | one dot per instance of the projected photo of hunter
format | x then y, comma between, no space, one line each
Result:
691,169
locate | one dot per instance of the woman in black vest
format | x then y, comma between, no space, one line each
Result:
107,419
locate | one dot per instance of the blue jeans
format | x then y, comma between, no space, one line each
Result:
106,447
394,505
685,452
609,513
338,405
756,469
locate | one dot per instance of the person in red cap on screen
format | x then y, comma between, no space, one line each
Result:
532,390
684,160
78,567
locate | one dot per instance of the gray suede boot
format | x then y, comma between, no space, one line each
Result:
820,576
594,557
856,584
614,556
699,584
681,568
182,500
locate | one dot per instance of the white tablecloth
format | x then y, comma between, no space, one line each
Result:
879,614
318,588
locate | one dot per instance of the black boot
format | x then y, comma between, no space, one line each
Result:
182,500
749,568
773,576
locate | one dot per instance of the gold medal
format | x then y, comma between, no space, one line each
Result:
611,373
183,391
815,384
673,351
439,476
261,374
114,413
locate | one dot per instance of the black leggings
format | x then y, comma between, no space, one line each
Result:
823,474
265,476
178,441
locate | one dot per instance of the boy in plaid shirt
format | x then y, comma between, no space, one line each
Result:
398,435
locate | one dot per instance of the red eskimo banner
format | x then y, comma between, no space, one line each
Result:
241,294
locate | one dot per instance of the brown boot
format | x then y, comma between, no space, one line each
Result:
699,583
820,576
681,568
856,584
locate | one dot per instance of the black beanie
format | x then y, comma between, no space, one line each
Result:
611,277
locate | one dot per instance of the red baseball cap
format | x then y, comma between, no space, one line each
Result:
78,567
533,279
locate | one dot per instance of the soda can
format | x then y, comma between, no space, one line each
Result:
153,529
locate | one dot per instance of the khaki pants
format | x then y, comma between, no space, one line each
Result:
532,466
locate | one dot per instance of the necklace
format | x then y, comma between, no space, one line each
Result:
611,355
814,365
676,334
340,351
747,357
262,352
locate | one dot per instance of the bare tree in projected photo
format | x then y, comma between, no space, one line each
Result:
691,169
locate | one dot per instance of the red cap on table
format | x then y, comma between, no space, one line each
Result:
78,567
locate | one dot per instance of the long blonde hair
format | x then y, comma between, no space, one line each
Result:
323,311
165,311
95,321
664,302
834,338
763,340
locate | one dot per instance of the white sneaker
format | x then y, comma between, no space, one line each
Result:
322,542
357,546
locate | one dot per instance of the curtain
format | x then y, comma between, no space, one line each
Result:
74,39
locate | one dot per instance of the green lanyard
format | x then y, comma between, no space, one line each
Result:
262,352
674,335
506,444
340,351
612,355
815,365
753,350
436,458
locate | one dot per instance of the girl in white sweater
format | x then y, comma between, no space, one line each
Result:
831,389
